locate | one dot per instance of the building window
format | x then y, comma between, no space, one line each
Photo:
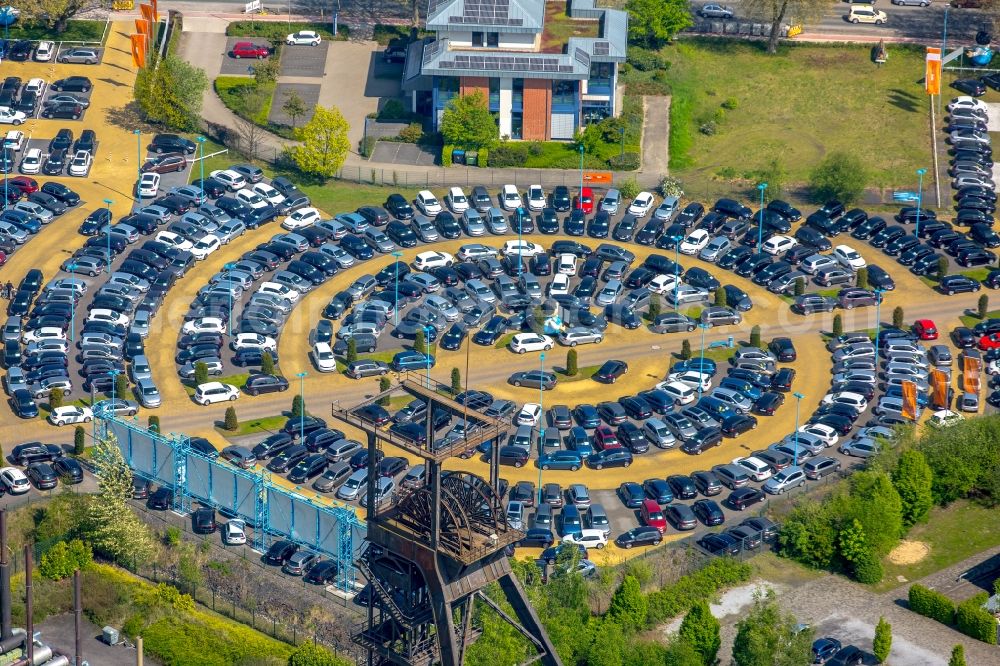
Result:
517,125
564,94
494,95
493,39
478,39
447,90
517,94
600,78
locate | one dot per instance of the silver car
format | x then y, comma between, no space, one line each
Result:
495,221
355,486
787,479
443,307
424,229
611,201
473,223
80,56
378,240
716,247
862,447
146,392
658,434
580,335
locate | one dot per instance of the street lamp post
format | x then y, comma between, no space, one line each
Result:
108,202
581,176
395,310
701,369
114,377
71,267
541,426
920,199
878,316
798,401
760,217
302,399
427,352
201,145
228,267
138,157
677,266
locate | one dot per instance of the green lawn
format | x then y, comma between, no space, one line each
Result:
797,106
953,534
586,372
253,426
385,357
977,273
275,31
236,380
504,341
972,320
76,31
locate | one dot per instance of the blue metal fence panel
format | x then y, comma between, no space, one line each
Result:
199,478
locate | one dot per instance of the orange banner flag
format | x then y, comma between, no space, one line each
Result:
139,50
156,12
147,12
142,26
910,401
939,383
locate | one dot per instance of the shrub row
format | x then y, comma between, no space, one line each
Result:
700,585
929,603
975,621
275,32
645,60
509,154
624,162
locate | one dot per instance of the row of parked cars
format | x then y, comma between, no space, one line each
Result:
44,465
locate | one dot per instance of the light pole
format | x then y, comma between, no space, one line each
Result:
229,278
920,199
760,218
520,247
798,401
71,267
878,316
395,310
114,378
427,353
138,156
581,176
302,399
108,202
541,426
701,368
677,267
201,145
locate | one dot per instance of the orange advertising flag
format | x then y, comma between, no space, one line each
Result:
597,177
970,375
147,12
910,401
156,12
939,383
932,71
142,26
139,50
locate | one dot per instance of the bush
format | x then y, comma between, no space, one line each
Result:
868,569
308,654
484,157
393,110
352,351
535,148
367,146
838,326
686,349
383,385
983,306
62,559
628,188
446,150
645,60
708,129
700,585
298,407
975,621
412,133
932,604
267,363
624,162
730,103
456,381
571,363
79,440
508,154
755,336
840,176
897,317
56,398
275,32
153,423
670,187
232,423
200,372
800,286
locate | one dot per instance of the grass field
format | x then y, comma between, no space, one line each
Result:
796,107
265,425
972,320
952,534
76,31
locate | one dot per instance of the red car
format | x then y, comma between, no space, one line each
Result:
250,50
991,341
604,438
925,329
652,515
23,183
588,201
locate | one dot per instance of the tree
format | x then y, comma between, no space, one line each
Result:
153,423
324,143
383,385
702,630
838,326
266,72
200,372
63,558
53,14
685,349
755,336
294,107
779,12
628,605
914,480
420,341
169,93
250,104
851,541
983,306
308,654
840,176
767,637
775,175
456,381
863,278
267,363
654,308
874,502
721,298
957,656
298,407
352,351
897,317
571,366
232,423
56,398
882,643
942,267
467,122
121,385
653,23
111,527
79,440
800,286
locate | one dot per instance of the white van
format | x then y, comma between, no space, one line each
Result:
510,198
681,392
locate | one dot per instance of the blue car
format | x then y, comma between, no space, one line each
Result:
705,366
571,460
632,494
587,416
746,388
411,360
579,441
570,521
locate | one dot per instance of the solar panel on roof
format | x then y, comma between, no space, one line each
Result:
602,48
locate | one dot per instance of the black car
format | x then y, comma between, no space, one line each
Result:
548,221
560,198
639,536
170,143
280,552
610,371
954,284
973,87
302,426
162,499
68,469
709,512
24,454
78,84
617,457
720,544
261,383
538,537
42,475
203,521
399,207
784,349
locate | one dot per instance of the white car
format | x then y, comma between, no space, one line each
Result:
779,244
70,414
692,378
679,391
427,203
273,196
457,200
849,257
663,284
303,38
431,259
231,179
44,333
849,398
234,533
825,433
559,285
529,414
588,538
695,242
36,86
510,198
174,240
253,341
967,102
252,199
279,290
755,467
530,342
31,163
82,161
536,197
149,185
10,117
522,247
206,246
14,481
323,357
210,393
109,316
641,205
44,51
203,325
567,264
300,219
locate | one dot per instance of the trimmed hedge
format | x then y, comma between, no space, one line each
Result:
446,150
975,621
929,603
276,31
509,154
624,162
700,585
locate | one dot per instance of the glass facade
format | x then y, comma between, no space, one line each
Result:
494,95
517,97
600,78
564,97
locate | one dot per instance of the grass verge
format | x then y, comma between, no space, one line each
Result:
267,424
972,320
276,32
76,31
586,372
